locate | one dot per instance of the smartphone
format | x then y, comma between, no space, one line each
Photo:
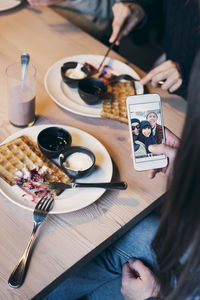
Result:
146,128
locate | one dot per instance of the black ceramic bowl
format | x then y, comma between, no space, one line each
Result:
92,90
53,140
77,161
72,72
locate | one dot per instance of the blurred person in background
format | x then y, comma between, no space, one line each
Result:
93,16
117,18
181,41
96,16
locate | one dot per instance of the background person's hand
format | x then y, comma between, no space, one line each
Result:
169,149
138,288
168,72
125,17
44,2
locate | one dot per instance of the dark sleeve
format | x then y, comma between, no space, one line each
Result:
182,36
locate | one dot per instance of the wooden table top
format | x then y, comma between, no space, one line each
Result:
66,239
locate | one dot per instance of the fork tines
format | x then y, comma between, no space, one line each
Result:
45,203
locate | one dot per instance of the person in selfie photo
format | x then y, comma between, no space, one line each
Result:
139,147
135,125
152,118
146,135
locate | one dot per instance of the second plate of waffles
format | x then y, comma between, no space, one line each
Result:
69,200
69,99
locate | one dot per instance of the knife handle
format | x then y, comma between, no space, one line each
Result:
122,185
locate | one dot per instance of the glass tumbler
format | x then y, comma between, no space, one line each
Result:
21,95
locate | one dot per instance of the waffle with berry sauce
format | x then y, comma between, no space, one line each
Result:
22,163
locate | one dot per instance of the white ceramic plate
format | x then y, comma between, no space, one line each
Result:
8,4
69,200
68,98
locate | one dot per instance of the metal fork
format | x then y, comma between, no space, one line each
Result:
41,210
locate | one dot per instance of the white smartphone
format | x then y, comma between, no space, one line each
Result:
146,128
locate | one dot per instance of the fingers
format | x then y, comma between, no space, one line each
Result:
121,12
176,85
167,71
126,271
147,78
115,34
170,153
152,173
138,267
173,79
170,76
126,17
169,149
129,26
124,32
117,25
133,269
171,139
161,149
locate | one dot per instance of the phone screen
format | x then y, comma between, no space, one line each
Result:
147,129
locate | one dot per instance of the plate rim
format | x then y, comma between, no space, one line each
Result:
15,4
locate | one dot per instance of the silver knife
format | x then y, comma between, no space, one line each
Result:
122,185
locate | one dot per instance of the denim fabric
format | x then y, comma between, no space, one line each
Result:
101,277
108,291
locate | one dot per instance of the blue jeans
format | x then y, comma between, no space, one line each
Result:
101,277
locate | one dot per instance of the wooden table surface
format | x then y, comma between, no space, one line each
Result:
68,240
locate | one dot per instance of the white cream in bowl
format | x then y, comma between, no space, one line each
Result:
78,161
76,73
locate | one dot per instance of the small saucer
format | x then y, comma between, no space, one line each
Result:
72,72
77,161
92,90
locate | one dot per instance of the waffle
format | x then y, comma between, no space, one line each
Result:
114,105
21,158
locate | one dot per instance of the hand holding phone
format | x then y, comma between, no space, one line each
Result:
169,149
146,128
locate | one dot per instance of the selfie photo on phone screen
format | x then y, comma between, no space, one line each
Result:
146,127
